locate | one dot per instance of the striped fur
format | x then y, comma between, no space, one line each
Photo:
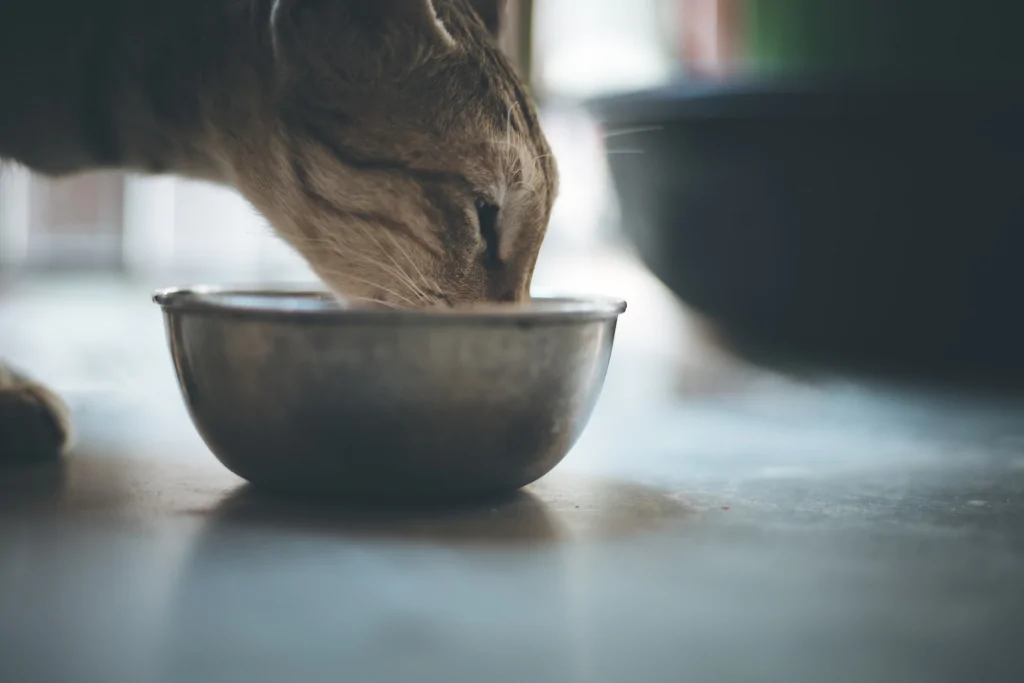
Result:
388,141
366,131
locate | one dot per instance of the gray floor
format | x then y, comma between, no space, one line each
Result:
715,523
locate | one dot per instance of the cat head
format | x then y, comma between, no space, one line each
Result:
411,166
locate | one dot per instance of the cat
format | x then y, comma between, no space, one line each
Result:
389,142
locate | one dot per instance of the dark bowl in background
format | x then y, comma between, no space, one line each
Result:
855,222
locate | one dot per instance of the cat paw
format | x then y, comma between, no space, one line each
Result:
35,425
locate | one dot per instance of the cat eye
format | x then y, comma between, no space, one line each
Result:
487,217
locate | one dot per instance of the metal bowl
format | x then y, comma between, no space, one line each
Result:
294,392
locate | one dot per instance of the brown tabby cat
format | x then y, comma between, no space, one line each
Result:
388,141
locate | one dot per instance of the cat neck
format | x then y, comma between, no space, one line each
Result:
149,85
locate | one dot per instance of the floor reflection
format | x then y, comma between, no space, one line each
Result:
318,591
564,506
519,518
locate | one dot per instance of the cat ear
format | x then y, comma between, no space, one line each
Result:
350,35
492,12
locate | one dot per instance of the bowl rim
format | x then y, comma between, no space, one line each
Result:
780,98
215,299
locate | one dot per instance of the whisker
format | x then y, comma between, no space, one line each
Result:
631,131
379,286
397,272
508,125
382,302
526,187
383,266
401,274
422,278
402,279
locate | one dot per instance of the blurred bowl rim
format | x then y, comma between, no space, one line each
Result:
230,301
793,98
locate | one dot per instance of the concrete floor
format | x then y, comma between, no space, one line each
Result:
715,523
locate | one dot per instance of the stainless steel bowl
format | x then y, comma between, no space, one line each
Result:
294,392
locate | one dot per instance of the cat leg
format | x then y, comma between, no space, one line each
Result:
35,425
